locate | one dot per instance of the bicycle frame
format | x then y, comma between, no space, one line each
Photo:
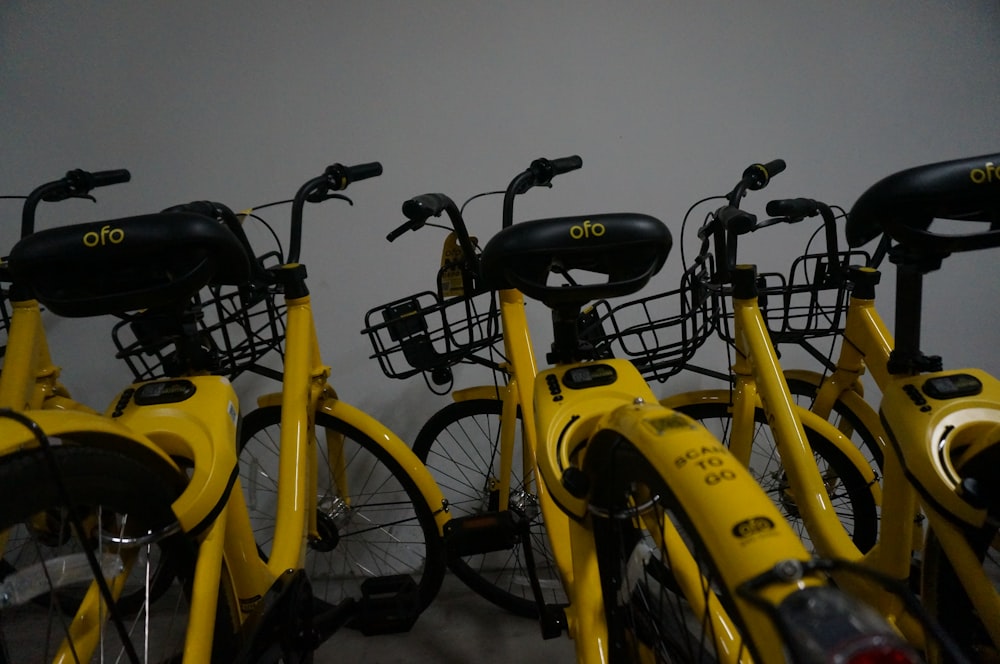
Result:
866,345
30,379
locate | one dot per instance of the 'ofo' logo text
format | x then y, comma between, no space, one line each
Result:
589,229
107,235
988,173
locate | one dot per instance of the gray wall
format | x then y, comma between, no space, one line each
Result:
665,101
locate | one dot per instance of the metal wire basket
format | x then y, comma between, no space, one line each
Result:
660,333
425,332
225,330
809,302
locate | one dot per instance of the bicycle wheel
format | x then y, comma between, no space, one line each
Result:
460,445
649,620
117,498
849,492
377,525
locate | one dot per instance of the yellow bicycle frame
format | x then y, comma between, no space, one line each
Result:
30,380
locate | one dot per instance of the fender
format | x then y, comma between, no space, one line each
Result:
396,448
74,425
392,443
809,420
193,419
480,392
934,435
87,428
567,415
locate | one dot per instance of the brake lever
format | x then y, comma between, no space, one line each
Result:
325,195
55,197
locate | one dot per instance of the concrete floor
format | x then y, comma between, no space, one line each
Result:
459,627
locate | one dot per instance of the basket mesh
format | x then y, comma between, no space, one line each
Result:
809,302
425,331
659,333
226,331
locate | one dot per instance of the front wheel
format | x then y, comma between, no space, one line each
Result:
372,520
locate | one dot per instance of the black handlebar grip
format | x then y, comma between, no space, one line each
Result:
543,170
372,169
793,207
419,208
79,183
736,220
566,164
106,178
758,175
339,176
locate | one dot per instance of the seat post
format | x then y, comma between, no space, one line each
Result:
565,335
911,266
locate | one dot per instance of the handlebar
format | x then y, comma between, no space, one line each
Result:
335,178
419,209
729,221
77,184
539,173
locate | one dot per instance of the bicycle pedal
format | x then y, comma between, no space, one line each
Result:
389,605
483,533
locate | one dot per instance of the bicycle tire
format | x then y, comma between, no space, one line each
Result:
387,529
849,492
110,488
648,618
460,445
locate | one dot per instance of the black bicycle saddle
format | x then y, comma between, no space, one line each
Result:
628,249
142,262
905,203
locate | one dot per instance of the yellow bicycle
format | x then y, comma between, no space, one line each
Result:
666,548
127,533
942,424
